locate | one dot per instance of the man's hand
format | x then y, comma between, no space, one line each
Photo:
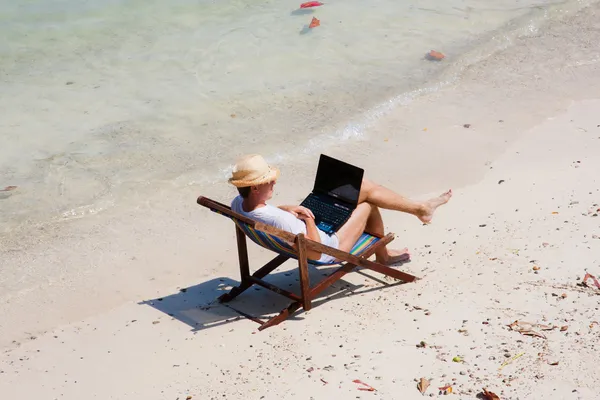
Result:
299,212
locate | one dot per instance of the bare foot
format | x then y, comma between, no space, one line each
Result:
394,256
431,205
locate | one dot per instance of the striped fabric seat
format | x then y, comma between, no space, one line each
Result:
279,246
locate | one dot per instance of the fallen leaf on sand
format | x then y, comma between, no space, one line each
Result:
593,278
364,387
309,4
489,395
525,328
435,56
536,268
457,359
554,212
546,327
513,358
446,389
314,23
155,322
564,328
423,385
553,363
324,381
593,323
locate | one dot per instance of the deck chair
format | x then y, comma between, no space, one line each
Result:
288,245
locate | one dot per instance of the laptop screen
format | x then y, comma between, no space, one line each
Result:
338,179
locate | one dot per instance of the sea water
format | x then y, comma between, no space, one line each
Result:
103,100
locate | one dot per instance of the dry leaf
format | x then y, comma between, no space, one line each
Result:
532,333
510,360
366,387
446,389
525,328
554,363
564,328
536,268
490,395
593,278
423,385
554,212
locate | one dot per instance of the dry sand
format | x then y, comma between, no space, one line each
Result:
477,263
523,198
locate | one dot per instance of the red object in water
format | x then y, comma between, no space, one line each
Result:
309,4
436,55
314,23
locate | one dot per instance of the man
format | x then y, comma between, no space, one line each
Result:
255,180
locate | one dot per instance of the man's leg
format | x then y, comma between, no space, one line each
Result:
354,227
367,217
384,255
383,197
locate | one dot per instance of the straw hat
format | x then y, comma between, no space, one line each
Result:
252,170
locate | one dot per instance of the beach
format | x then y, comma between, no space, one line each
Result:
92,303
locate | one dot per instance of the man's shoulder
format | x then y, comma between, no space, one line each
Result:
236,202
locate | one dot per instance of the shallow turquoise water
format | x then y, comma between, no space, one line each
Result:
101,99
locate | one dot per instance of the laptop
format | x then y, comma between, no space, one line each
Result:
335,194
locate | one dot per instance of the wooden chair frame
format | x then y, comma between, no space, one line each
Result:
301,245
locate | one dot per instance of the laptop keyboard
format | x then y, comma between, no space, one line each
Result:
326,212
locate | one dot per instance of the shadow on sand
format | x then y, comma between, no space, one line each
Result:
198,307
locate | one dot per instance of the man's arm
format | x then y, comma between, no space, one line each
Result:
312,232
296,211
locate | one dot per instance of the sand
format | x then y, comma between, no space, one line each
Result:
526,195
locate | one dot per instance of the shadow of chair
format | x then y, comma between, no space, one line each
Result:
198,305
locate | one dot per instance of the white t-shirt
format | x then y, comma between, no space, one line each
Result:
285,221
